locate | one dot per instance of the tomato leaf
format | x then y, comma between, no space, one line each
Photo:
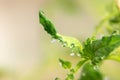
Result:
100,49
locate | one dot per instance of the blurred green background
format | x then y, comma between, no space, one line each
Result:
26,51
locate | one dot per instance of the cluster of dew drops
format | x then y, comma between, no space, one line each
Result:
64,44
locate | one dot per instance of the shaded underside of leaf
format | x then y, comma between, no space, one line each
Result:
90,73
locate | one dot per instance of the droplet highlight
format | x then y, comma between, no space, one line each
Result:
53,40
72,45
64,44
72,54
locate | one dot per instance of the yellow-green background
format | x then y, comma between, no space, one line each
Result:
26,52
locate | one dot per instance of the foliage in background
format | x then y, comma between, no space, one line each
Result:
93,51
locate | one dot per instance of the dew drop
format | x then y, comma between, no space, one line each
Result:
64,44
72,54
72,45
60,64
60,40
53,40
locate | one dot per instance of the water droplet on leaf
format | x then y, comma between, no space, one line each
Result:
72,45
64,44
53,40
72,54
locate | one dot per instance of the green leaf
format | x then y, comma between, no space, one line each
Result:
70,42
65,64
48,25
90,72
100,49
109,45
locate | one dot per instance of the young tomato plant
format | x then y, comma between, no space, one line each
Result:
92,51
